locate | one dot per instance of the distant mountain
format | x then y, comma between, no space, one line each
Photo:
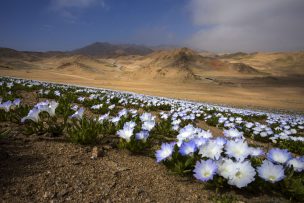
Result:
164,47
27,55
104,49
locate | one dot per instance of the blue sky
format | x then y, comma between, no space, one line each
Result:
214,25
51,25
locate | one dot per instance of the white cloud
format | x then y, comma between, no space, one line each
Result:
248,25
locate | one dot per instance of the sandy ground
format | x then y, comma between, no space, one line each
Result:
286,94
41,169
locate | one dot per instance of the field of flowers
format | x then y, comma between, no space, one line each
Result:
256,151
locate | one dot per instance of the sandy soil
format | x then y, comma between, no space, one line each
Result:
38,169
263,93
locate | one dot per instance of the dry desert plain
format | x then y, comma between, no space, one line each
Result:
271,81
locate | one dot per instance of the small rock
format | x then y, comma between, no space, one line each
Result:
97,152
107,147
76,163
48,195
62,193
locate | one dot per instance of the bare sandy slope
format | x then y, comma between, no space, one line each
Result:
285,94
274,63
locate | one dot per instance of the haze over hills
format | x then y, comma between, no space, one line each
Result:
104,49
97,49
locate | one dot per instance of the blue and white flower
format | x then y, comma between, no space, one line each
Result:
164,152
271,172
205,170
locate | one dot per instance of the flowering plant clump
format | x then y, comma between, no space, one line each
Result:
249,150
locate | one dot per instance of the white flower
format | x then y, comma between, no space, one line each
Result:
32,115
16,102
142,135
263,134
127,132
52,108
211,150
97,106
233,133
81,99
238,150
148,125
57,93
176,122
271,172
122,112
103,117
297,164
204,134
78,114
75,107
112,106
146,117
115,120
205,170
6,106
186,133
226,167
256,151
280,156
242,174
164,152
130,124
175,127
249,125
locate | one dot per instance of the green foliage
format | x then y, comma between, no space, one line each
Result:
293,185
18,113
162,107
163,130
213,121
181,164
85,131
64,107
51,95
114,100
255,118
4,116
256,161
4,133
32,127
135,146
296,147
52,126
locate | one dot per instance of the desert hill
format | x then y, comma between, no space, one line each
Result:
133,62
185,64
274,63
103,49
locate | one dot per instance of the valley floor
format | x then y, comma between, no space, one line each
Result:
267,93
